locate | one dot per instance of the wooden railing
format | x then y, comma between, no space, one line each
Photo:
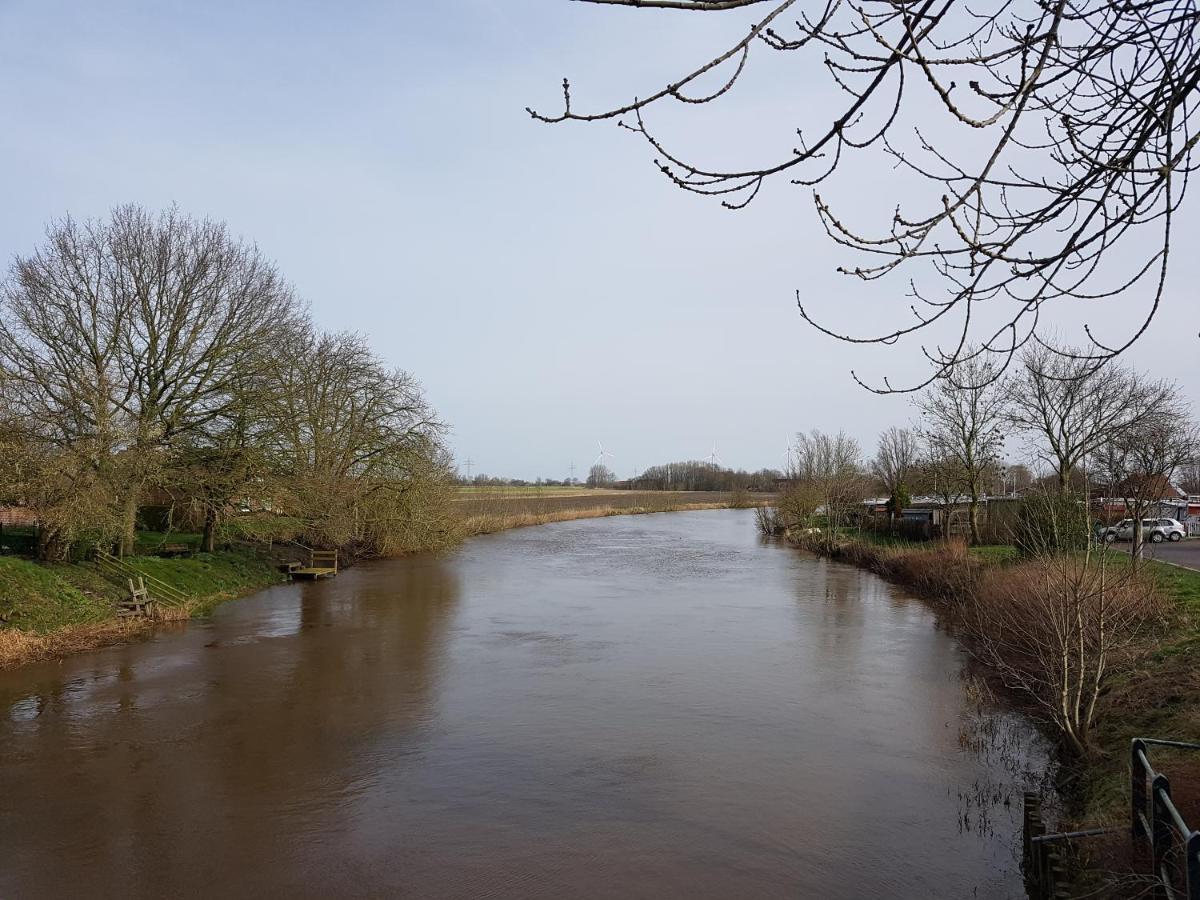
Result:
122,572
323,559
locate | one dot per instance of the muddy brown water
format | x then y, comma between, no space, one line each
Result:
653,706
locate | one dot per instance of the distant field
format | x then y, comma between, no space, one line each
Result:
497,509
533,490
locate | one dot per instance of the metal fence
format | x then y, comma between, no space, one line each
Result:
1157,825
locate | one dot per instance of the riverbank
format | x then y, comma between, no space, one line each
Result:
48,611
1152,691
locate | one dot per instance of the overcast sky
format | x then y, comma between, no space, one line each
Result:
548,287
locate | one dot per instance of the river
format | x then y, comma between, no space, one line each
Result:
633,707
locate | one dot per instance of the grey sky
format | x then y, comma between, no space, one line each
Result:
546,285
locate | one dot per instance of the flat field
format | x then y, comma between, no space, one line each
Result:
487,510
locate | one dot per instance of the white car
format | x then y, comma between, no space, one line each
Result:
1154,530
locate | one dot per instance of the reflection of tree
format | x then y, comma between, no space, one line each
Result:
244,744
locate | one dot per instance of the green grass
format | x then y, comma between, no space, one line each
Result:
997,553
44,597
210,577
38,598
149,541
1181,584
261,527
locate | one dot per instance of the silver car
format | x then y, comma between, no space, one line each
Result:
1154,530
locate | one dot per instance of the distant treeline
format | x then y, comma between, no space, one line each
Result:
695,475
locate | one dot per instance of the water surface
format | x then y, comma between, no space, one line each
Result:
645,706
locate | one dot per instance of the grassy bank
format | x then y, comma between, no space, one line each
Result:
50,610
486,512
1153,689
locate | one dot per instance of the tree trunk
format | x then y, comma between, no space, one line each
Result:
129,520
49,544
1064,480
209,541
973,513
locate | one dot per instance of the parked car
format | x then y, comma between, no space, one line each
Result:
1154,530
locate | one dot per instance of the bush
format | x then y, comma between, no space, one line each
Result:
740,498
1056,629
1050,523
767,518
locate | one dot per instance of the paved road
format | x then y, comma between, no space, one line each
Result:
1185,553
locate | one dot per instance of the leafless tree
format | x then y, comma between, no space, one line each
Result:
1071,410
1055,140
830,466
600,476
896,461
127,334
1141,463
1016,477
357,443
1057,628
964,422
1189,473
224,466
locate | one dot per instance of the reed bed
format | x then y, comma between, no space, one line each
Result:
18,647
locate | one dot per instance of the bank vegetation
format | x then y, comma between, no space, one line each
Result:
157,371
1095,643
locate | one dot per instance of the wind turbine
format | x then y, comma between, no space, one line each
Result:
603,455
713,459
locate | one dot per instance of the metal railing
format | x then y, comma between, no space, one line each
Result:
1049,856
1174,848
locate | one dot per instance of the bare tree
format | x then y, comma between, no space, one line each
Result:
600,476
1057,628
1189,473
1071,409
964,422
1141,463
357,445
1052,139
942,477
895,464
830,465
128,334
1016,477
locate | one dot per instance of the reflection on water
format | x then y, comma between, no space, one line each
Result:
651,706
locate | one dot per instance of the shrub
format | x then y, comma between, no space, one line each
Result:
1049,523
1055,629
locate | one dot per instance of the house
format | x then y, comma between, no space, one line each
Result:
936,516
17,517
